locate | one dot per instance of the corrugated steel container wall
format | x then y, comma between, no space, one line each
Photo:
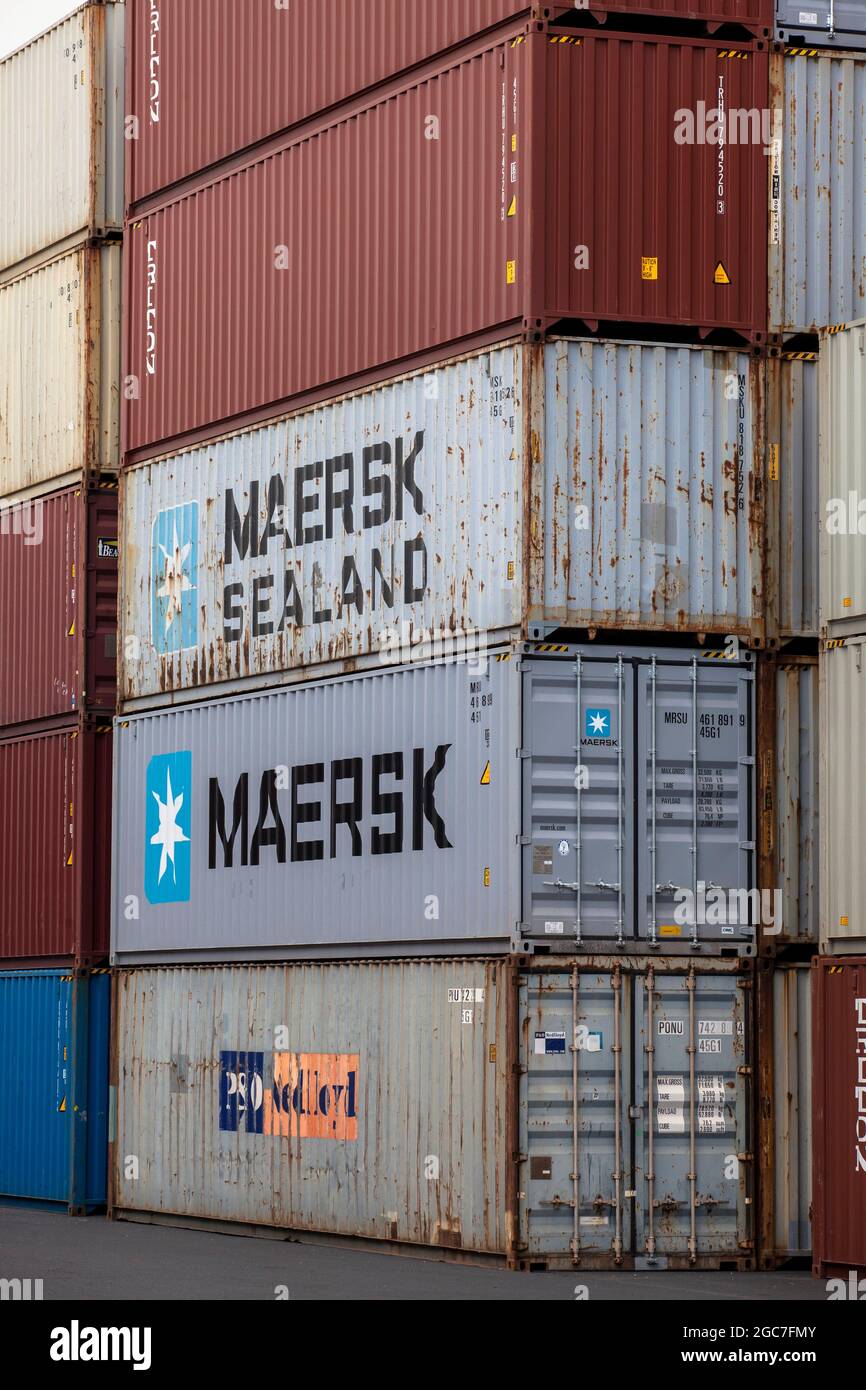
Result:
836,22
818,191
411,800
839,1120
54,852
404,1135
842,776
647,489
53,1138
792,519
60,370
61,133
676,1035
54,1033
201,56
842,474
454,505
197,56
797,797
58,606
792,1109
313,301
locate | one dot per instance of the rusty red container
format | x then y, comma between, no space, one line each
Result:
55,855
531,182
208,78
58,605
839,1118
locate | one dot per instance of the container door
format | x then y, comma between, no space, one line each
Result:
692,1126
839,22
695,759
579,796
577,1157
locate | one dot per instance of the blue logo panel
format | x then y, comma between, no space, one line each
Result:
598,724
174,579
242,1088
168,829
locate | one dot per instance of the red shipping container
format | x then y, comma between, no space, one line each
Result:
839,1116
530,183
55,845
58,605
208,78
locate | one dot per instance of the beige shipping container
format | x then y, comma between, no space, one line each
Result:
61,135
842,778
842,411
60,371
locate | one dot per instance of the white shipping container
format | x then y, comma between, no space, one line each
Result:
842,779
843,480
61,134
60,371
580,484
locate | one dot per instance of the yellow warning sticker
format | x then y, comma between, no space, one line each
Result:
485,776
649,267
71,632
846,602
486,878
510,272
512,207
670,930
774,463
720,275
843,921
514,144
62,1105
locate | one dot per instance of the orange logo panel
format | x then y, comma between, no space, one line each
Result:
314,1095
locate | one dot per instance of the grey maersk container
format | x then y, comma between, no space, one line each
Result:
315,1097
817,190
580,484
840,23
600,795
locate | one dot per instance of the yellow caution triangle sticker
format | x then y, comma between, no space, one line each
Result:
71,632
512,208
485,776
720,275
62,1105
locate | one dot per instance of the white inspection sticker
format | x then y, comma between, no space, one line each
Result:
670,1119
554,928
807,17
711,1090
466,996
671,1090
711,1119
715,1028
549,1042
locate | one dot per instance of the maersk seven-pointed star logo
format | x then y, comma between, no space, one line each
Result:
598,723
173,579
168,828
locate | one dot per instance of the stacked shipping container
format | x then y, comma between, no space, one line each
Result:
61,168
461,532
839,979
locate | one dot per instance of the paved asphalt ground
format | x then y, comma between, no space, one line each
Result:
98,1259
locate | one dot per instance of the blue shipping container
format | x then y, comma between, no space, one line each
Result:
54,1031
